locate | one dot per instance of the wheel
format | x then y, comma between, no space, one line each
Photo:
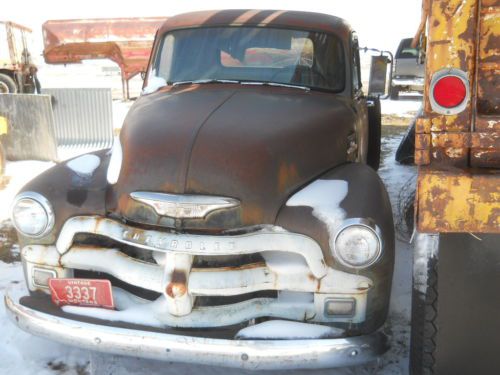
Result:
394,92
374,133
7,84
405,154
424,327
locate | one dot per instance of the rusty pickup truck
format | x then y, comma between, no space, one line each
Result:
239,220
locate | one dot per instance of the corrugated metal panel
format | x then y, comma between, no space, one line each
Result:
30,127
83,117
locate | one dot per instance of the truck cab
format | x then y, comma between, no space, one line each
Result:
239,220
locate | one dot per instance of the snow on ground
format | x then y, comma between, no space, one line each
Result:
406,106
23,354
400,112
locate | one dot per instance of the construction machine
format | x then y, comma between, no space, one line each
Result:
17,69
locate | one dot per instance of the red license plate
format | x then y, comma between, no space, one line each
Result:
82,292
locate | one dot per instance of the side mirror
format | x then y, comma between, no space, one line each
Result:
380,73
378,76
143,75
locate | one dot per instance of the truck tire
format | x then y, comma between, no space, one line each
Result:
7,84
374,133
394,92
424,326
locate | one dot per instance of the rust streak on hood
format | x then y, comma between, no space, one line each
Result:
255,144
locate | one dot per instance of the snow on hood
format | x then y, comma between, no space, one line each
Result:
324,197
84,165
115,163
283,329
270,140
154,84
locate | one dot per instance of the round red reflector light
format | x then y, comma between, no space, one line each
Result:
449,91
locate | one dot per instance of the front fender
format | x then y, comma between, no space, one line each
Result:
318,210
71,191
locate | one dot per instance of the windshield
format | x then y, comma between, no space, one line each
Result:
251,54
406,51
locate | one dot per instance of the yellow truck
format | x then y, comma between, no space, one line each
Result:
456,272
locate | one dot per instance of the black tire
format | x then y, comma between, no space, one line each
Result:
405,154
424,326
7,84
394,92
374,133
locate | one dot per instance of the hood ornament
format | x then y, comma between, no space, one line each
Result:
182,206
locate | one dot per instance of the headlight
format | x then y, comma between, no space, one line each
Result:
357,244
32,214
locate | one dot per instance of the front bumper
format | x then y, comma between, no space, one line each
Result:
248,354
415,83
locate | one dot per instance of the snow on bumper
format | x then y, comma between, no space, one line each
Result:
248,354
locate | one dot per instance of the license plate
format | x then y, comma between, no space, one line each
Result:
82,292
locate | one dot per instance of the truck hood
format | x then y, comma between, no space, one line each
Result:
257,144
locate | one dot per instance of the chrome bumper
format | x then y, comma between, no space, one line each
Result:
251,354
413,82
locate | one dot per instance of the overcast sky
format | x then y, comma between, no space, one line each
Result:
379,23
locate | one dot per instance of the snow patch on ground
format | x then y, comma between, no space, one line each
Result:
324,197
403,107
84,165
282,329
24,354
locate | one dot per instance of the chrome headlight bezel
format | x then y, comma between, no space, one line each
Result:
365,224
43,203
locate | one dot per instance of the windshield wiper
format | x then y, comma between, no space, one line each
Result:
275,84
261,83
201,81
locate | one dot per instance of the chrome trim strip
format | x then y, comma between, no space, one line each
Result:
408,82
249,243
251,354
183,206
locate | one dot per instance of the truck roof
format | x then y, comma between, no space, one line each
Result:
257,17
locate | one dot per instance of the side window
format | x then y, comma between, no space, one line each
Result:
356,66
